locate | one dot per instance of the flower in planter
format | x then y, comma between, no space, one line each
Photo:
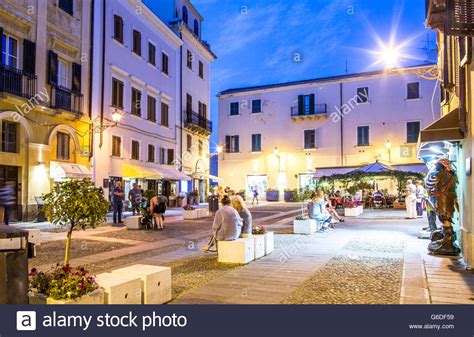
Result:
63,282
258,230
351,204
188,208
302,217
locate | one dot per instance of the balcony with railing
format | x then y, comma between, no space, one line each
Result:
317,111
197,123
15,82
67,100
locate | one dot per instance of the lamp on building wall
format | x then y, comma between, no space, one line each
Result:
219,150
116,118
388,145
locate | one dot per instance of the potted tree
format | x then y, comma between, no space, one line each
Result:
272,194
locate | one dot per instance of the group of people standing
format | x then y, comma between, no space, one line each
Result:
156,206
415,198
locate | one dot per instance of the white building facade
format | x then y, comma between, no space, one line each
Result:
193,119
136,76
287,135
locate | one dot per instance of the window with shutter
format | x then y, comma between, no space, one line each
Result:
136,102
118,28
151,107
137,42
234,109
201,70
117,93
362,95
164,63
52,68
189,143
116,146
76,77
460,20
362,136
413,90
170,156
256,142
66,5
413,131
310,139
9,137
256,106
151,54
151,153
164,114
189,59
135,150
63,146
29,57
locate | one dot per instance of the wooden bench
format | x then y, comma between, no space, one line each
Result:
155,282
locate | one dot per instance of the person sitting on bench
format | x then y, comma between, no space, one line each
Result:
317,210
227,225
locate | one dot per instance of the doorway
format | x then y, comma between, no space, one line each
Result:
9,174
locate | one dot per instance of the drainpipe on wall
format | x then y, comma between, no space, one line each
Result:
342,123
91,70
462,100
101,140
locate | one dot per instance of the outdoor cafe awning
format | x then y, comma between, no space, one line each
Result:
60,170
172,174
139,172
444,129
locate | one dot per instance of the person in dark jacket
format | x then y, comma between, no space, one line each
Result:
158,209
7,200
118,195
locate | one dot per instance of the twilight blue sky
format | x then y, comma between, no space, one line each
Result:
255,40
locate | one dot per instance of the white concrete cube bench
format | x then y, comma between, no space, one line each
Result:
203,212
259,245
34,236
120,288
308,226
132,222
240,251
269,242
190,214
155,282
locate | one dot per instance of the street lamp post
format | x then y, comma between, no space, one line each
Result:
388,145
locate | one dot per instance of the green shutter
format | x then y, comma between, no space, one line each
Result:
311,104
52,68
300,104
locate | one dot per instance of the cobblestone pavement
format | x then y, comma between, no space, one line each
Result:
347,265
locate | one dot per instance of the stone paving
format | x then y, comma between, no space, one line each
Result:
297,258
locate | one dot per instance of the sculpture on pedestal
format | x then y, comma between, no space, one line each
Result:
441,185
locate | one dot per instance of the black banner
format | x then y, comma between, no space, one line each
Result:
237,320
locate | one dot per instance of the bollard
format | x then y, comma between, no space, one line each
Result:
13,265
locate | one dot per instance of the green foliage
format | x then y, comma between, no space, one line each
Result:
148,195
77,203
271,190
62,283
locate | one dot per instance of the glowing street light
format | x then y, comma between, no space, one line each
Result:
390,56
116,116
219,149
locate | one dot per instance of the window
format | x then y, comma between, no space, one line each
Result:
164,114
9,137
232,144
164,63
362,136
202,111
189,60
151,153
66,5
185,14
200,148
136,102
116,146
196,27
413,90
234,109
118,28
62,148
256,142
256,106
363,95
309,139
117,93
413,131
170,156
9,51
151,54
189,143
201,70
63,74
151,115
137,42
162,155
135,150
306,104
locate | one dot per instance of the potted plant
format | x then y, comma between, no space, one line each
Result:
181,199
64,285
291,195
352,208
190,212
272,194
77,204
258,230
303,224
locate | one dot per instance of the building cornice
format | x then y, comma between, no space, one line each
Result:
320,81
203,48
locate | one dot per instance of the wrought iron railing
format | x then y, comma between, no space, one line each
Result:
65,99
192,118
16,82
319,109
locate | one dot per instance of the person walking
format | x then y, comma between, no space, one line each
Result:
158,209
135,198
255,194
7,200
420,192
410,200
118,196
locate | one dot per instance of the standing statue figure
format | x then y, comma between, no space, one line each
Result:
441,185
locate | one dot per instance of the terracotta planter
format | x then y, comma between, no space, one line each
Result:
95,297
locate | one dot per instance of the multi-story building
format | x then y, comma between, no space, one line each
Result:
44,90
451,135
287,135
136,81
193,120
